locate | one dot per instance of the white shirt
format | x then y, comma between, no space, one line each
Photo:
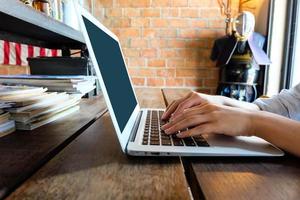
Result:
286,103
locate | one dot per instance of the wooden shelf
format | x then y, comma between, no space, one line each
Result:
21,23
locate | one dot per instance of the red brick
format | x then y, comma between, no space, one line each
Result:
148,33
217,24
159,22
149,53
168,53
137,62
141,72
170,12
160,3
138,43
211,33
165,72
132,12
178,23
211,13
155,82
189,33
120,23
197,44
140,22
130,32
175,63
128,52
104,3
133,3
180,3
192,82
199,3
189,12
166,33
158,43
199,23
150,12
138,81
171,82
156,63
113,12
192,73
177,43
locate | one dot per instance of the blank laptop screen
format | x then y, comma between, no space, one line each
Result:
113,70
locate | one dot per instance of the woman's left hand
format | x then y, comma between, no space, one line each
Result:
211,119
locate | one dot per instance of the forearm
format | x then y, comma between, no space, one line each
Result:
278,130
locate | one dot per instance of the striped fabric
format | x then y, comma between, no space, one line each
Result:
16,54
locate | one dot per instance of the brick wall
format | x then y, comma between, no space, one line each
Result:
167,43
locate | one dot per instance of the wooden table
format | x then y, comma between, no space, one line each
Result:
241,178
94,167
89,164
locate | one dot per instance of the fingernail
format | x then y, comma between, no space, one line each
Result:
163,127
168,131
179,135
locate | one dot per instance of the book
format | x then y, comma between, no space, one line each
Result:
41,104
19,90
28,115
70,84
45,119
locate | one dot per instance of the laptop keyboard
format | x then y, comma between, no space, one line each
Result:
153,135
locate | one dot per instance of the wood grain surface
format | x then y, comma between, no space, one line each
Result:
23,152
94,167
242,178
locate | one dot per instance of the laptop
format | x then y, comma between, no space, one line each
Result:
139,130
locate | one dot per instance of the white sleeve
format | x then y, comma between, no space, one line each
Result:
287,103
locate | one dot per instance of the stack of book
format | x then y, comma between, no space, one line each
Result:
70,84
32,107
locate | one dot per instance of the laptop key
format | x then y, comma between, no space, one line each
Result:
177,142
166,142
154,142
201,142
189,142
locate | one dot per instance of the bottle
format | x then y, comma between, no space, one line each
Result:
42,5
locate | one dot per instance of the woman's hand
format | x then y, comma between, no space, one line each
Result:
208,118
190,100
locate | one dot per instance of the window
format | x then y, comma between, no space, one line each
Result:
295,60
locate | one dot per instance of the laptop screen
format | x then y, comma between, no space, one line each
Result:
114,74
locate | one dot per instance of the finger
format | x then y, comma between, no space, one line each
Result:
197,110
192,121
198,130
172,108
188,103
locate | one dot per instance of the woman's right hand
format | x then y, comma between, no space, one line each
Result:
190,100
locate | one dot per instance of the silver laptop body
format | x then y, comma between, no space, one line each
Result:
138,130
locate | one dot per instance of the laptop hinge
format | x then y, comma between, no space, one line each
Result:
135,128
